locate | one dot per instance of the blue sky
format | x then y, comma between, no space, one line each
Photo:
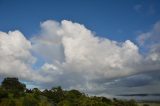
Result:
115,19
102,47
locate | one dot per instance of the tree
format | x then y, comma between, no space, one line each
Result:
13,85
106,100
3,93
58,94
29,100
36,92
29,91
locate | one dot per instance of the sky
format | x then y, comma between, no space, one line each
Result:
107,47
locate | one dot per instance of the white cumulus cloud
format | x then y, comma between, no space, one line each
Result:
15,57
79,58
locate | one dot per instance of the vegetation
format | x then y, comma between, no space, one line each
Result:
14,93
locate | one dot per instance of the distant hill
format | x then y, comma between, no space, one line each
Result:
139,94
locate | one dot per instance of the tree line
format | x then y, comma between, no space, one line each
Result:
15,93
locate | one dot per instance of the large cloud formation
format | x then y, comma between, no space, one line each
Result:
73,57
16,59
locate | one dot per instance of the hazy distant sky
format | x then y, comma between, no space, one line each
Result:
102,47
